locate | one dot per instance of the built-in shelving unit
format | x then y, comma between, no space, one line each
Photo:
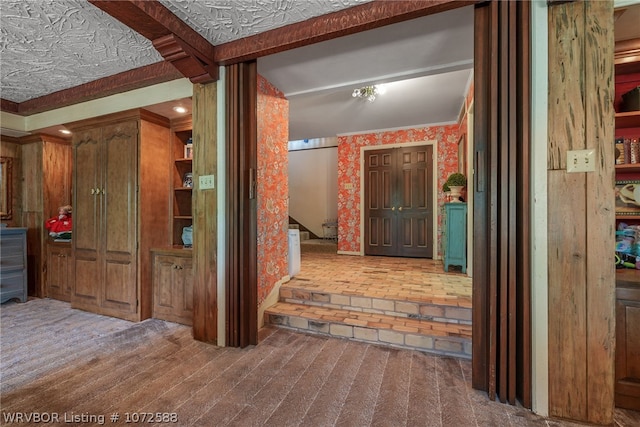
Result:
181,204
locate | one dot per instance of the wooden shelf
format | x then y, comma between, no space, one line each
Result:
630,119
190,189
633,167
185,161
190,217
627,216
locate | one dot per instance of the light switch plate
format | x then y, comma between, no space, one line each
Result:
581,160
207,182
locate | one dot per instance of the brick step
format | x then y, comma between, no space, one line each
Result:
395,331
423,307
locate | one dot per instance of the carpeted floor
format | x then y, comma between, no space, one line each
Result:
88,369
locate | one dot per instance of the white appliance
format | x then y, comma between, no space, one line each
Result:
294,252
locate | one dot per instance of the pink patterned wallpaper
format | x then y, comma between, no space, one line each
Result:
349,172
272,186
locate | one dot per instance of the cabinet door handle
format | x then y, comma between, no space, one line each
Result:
93,191
393,208
177,267
97,191
400,208
104,191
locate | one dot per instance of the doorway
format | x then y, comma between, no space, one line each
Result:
398,196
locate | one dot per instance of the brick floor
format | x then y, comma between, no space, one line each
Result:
400,302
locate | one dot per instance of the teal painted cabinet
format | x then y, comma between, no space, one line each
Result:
455,235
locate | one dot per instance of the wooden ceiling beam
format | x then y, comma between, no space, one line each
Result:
375,14
176,41
137,78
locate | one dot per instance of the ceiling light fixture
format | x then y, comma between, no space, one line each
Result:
180,109
368,92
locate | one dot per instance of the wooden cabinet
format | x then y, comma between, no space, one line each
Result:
59,271
181,202
455,235
45,173
173,285
627,387
13,264
120,210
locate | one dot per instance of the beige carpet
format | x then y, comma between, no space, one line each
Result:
58,360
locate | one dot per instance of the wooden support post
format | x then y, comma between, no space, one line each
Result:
581,213
205,214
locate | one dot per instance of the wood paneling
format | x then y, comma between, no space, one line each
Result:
581,283
205,206
45,184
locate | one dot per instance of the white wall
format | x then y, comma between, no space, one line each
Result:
313,186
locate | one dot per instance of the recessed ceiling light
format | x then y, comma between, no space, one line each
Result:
180,109
65,131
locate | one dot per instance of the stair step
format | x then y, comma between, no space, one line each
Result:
416,307
395,331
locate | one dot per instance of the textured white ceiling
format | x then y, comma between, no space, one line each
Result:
47,46
51,45
221,21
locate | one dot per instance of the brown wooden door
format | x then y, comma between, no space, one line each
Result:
119,224
87,170
398,202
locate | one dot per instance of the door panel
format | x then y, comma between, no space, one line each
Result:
86,277
119,290
398,198
119,192
120,221
417,196
380,217
86,206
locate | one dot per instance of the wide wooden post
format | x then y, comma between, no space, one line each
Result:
581,213
205,214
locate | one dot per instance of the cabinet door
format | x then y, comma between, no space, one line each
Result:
59,272
119,224
184,281
87,205
627,388
173,289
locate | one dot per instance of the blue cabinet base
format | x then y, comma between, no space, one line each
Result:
455,238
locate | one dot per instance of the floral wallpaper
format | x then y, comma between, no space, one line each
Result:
349,173
272,187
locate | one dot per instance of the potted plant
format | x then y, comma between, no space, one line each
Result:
447,191
456,182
